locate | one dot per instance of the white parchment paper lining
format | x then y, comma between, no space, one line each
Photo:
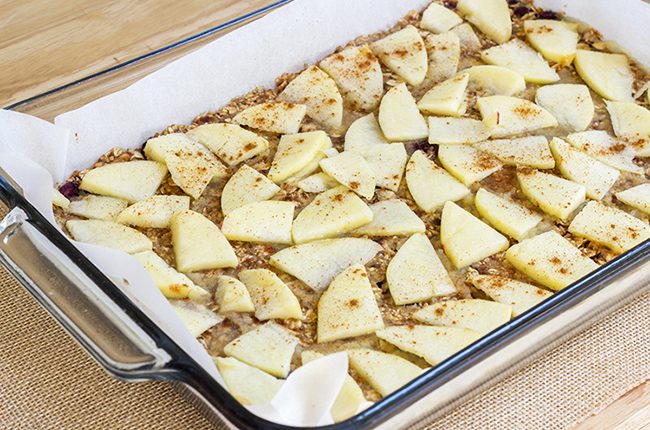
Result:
37,154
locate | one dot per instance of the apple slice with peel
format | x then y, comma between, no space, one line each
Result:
295,152
469,41
173,284
363,134
550,260
438,19
330,214
268,347
317,183
505,215
433,343
531,151
507,116
496,80
275,117
382,371
232,296
638,197
601,146
392,218
554,195
131,180
519,295
482,316
59,199
521,58
109,234
570,104
467,163
351,169
317,263
556,40
246,186
154,211
415,274
196,317
261,222
492,17
98,207
609,226
404,53
456,131
596,177
358,75
316,90
199,244
631,124
399,117
607,74
444,55
230,142
247,384
446,98
423,176
466,239
348,308
271,297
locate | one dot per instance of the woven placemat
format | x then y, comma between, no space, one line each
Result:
48,382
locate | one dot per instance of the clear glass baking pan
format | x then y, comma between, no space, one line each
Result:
129,346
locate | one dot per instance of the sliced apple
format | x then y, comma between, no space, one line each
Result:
433,343
387,163
358,75
531,151
275,117
348,308
456,131
519,295
601,146
363,134
97,207
297,151
382,371
317,183
131,180
399,117
482,316
467,163
317,263
154,211
596,177
507,116
261,222
246,186
607,74
638,197
496,80
199,244
466,239
505,215
415,274
271,297
109,234
190,164
316,90
196,317
438,19
444,55
609,226
446,98
59,199
555,196
247,384
492,17
232,296
469,41
404,53
516,55
570,104
556,40
423,176
631,123
330,214
268,347
351,169
392,218
173,284
230,142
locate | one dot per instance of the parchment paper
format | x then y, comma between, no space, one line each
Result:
35,152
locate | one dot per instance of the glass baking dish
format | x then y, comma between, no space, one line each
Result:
125,342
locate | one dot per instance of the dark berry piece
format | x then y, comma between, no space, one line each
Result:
548,14
70,189
520,11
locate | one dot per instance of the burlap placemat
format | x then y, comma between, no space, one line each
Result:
48,382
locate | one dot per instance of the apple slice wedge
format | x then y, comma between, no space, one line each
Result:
492,17
607,74
519,295
60,200
131,180
97,207
399,116
467,163
554,195
271,297
404,53
496,80
456,131
521,58
391,218
275,117
351,169
153,212
444,55
196,317
531,151
570,104
482,316
247,384
446,98
638,197
556,40
631,124
173,284
384,372
317,183
230,142
469,41
505,215
601,146
438,19
109,234
268,221
507,116
246,186
232,296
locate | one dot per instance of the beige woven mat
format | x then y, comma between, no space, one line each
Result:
48,382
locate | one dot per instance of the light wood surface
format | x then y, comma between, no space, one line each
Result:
45,44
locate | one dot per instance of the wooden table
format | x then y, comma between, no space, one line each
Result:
43,47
